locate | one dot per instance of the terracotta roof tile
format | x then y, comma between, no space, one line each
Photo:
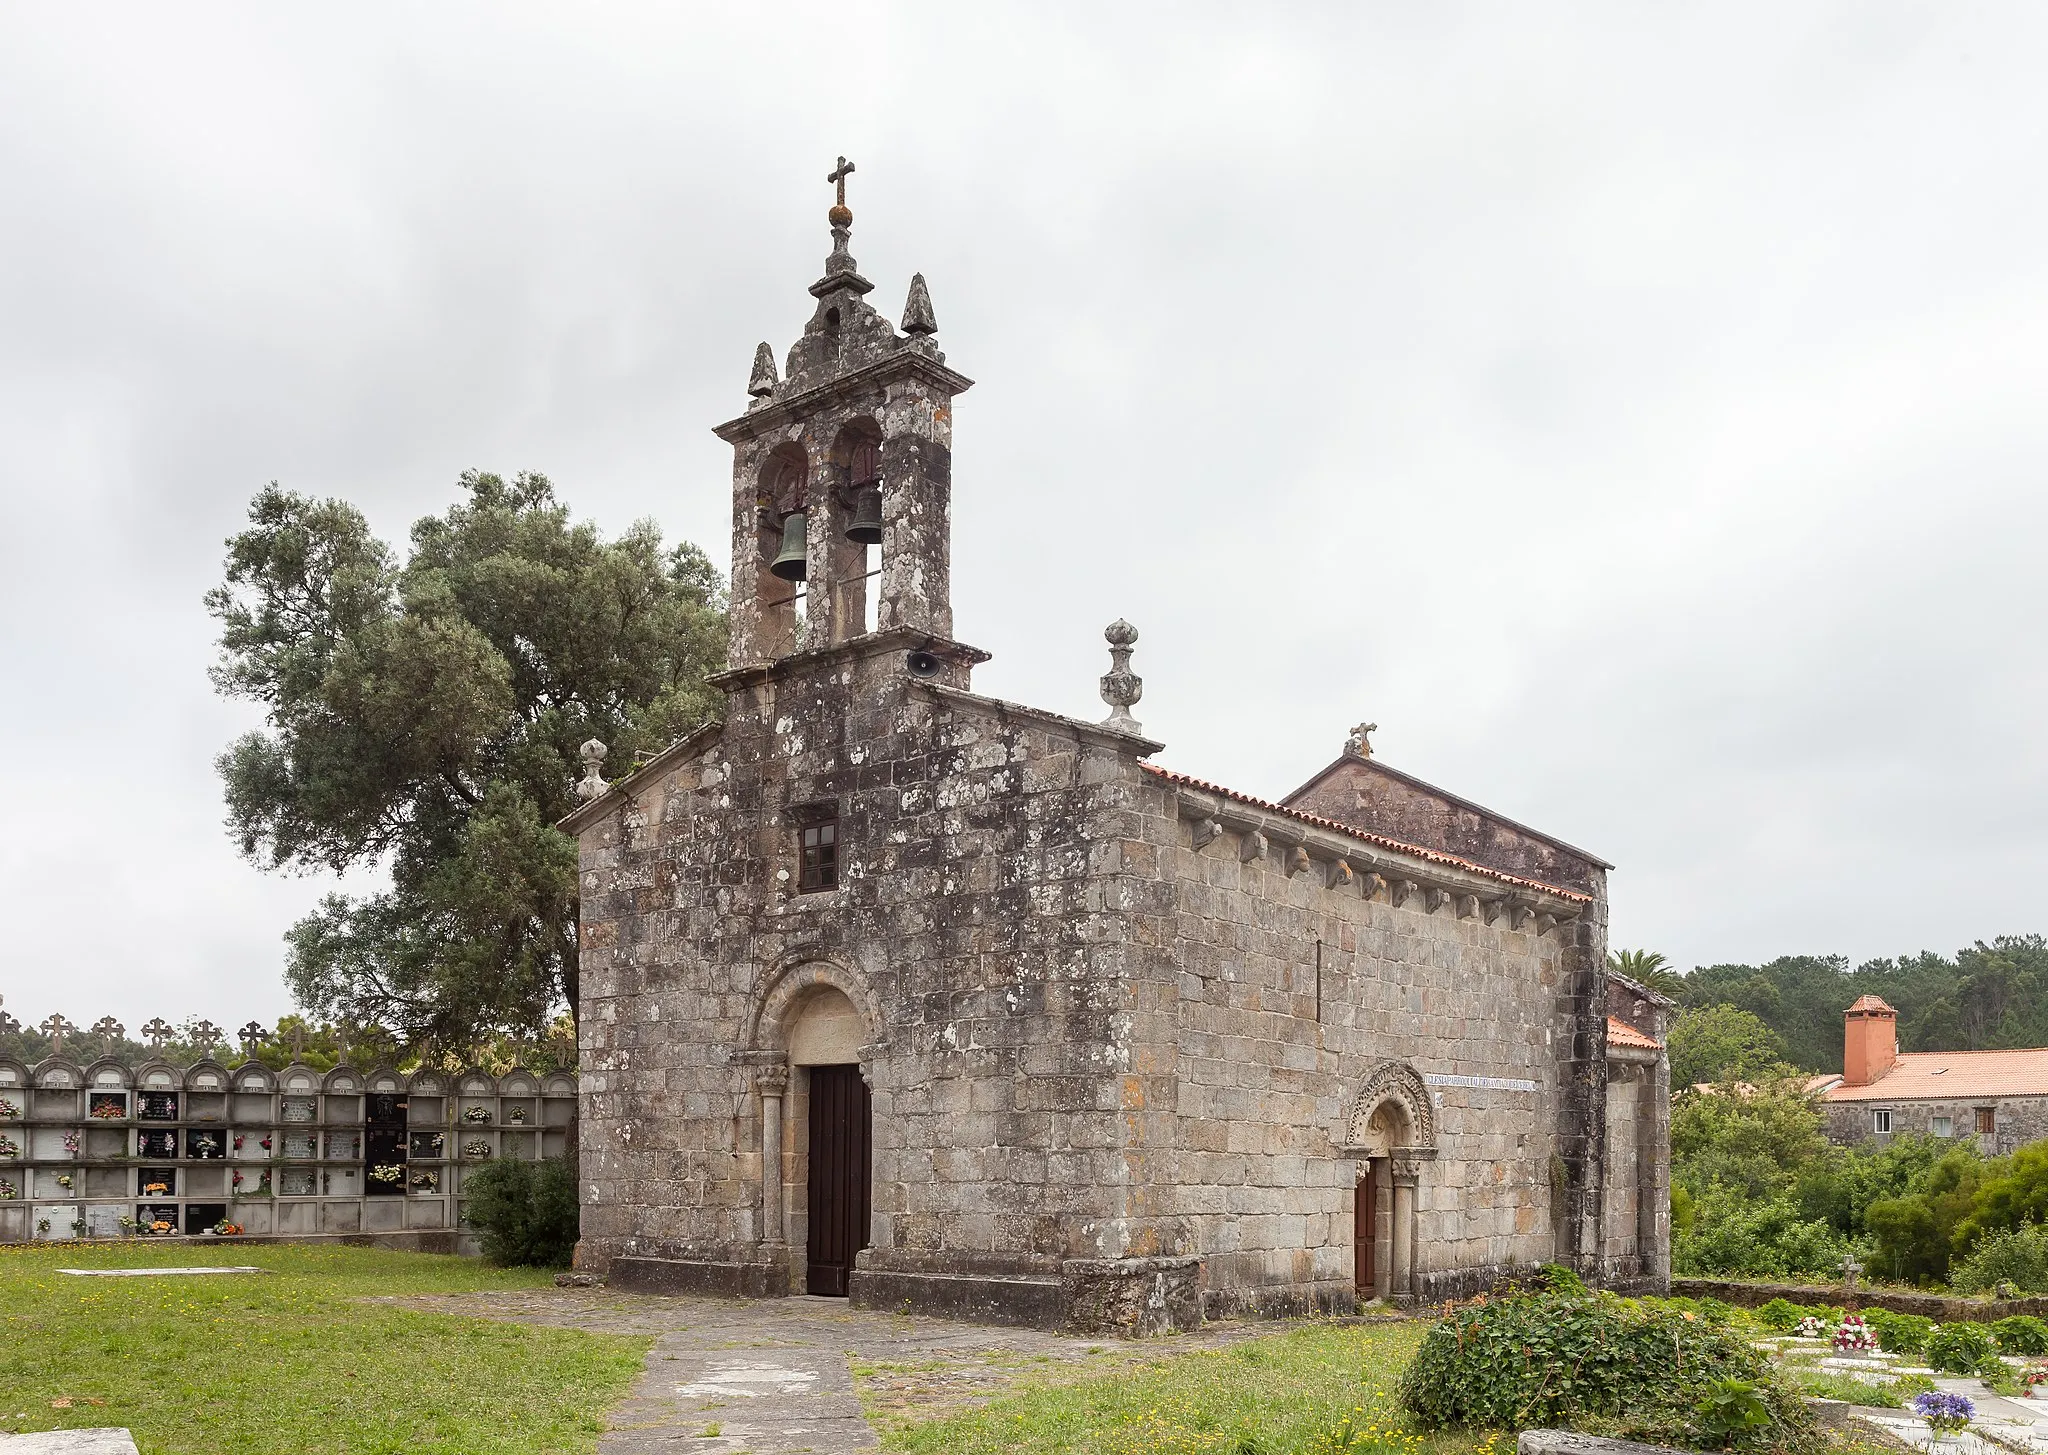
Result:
1621,1033
1870,1002
1435,856
1954,1076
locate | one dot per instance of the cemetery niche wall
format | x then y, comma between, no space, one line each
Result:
109,1149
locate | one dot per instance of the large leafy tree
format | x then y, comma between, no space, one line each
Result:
424,717
1721,1043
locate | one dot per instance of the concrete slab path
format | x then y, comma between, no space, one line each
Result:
775,1376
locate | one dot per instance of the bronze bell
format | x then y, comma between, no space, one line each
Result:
791,564
864,525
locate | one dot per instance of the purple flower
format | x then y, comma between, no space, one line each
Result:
1944,1411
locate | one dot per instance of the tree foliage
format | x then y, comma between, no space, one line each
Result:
1713,1043
526,1211
1649,968
425,715
1989,996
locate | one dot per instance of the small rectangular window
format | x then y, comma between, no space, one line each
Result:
1987,1121
1941,1126
818,863
1881,1123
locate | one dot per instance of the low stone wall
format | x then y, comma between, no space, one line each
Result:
1941,1307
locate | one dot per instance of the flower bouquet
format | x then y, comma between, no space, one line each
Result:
1945,1413
387,1172
517,1114
2032,1380
477,1114
8,1109
227,1229
64,1179
477,1148
1853,1336
160,1228
1810,1327
8,1148
108,1110
71,1143
8,1191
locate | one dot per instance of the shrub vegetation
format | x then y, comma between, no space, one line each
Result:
526,1211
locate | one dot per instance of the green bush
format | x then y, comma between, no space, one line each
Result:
1898,1333
1781,1314
1600,1363
2021,1334
526,1211
1556,1278
1961,1348
2018,1256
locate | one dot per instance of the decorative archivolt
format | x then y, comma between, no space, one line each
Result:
1396,1087
788,984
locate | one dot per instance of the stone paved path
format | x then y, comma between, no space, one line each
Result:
775,1375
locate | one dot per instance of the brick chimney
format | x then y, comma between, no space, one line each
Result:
1870,1041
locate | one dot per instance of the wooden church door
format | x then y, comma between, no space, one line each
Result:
1365,1235
841,1166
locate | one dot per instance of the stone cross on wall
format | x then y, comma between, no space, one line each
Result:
837,176
298,1043
206,1035
1359,744
56,1028
107,1026
156,1033
8,1024
252,1036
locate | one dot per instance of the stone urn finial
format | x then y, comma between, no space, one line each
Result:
1121,687
591,786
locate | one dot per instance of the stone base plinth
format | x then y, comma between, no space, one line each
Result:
703,1276
1133,1297
1030,1301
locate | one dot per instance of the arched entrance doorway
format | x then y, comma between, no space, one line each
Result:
805,1041
1391,1133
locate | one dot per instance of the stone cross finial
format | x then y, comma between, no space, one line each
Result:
1121,687
1850,1268
252,1036
1359,744
8,1024
837,177
206,1035
107,1026
156,1033
298,1043
56,1028
592,786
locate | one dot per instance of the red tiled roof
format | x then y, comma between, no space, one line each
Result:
1870,1002
1435,856
1621,1033
1954,1076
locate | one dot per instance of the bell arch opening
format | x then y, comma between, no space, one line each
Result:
854,520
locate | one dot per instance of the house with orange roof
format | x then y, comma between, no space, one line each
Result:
1996,1099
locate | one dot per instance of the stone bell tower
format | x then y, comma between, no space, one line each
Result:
851,448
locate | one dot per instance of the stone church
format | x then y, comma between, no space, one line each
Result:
898,992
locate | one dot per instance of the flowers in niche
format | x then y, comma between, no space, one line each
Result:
387,1172
517,1114
8,1148
8,1191
9,1108
477,1147
71,1143
64,1179
227,1229
478,1115
1810,1327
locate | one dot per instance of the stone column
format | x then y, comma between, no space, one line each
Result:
1383,1236
1405,1175
772,1082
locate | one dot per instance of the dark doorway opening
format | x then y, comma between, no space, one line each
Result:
840,1166
1365,1236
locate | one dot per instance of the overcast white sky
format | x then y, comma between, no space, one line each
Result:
1637,410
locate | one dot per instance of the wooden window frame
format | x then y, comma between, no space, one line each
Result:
1987,1121
817,856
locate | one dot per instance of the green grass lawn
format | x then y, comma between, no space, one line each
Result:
290,1360
1295,1393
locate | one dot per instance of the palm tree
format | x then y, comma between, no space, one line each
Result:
1647,967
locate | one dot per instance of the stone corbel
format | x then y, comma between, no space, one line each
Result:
1251,846
1433,899
1468,905
1370,884
1399,890
1206,832
1492,909
1297,861
1520,912
1341,876
1545,923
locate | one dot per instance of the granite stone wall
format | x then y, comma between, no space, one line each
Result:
2018,1120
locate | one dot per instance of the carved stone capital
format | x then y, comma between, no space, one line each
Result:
771,1080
